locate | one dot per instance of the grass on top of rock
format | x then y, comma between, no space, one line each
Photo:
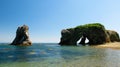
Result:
90,26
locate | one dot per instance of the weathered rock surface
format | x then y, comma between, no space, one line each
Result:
95,33
22,36
113,36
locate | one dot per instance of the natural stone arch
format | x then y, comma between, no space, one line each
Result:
95,33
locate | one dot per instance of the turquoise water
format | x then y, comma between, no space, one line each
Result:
53,55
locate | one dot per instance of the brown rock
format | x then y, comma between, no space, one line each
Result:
22,36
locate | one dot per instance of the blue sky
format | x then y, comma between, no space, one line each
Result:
46,18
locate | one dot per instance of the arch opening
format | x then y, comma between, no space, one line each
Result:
79,41
83,41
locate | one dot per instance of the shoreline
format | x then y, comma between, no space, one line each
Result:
113,45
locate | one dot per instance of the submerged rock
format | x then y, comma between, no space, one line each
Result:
22,36
95,33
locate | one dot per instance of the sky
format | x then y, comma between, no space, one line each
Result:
46,18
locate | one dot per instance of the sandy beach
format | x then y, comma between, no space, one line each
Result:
113,45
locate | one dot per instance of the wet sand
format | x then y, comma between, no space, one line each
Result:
113,45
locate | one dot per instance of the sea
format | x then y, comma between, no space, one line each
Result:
54,55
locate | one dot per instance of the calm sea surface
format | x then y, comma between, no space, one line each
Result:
53,55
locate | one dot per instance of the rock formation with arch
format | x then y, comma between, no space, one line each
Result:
95,33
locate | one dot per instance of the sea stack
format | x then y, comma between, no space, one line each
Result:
22,36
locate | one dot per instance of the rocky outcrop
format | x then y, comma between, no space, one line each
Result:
67,35
95,33
22,36
113,35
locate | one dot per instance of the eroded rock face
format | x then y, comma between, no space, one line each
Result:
22,36
113,36
95,33
67,35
